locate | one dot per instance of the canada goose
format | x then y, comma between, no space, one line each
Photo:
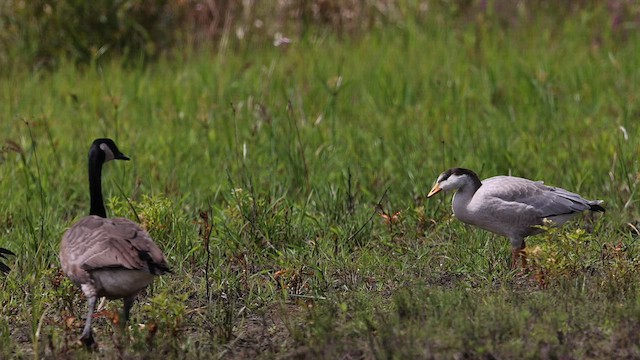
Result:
510,206
3,267
114,258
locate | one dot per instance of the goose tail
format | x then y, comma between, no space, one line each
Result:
595,206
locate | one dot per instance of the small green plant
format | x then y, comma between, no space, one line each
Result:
164,317
561,253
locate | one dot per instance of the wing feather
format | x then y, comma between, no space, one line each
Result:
97,243
545,201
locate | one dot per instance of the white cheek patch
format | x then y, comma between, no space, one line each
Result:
108,154
450,183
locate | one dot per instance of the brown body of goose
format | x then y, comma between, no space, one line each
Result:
510,206
108,257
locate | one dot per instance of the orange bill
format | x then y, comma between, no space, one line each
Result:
434,190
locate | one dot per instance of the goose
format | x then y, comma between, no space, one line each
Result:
108,257
510,206
3,252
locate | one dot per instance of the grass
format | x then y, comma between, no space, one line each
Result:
288,151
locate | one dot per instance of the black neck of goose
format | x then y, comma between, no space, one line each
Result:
95,185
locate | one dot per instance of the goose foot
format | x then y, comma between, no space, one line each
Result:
89,343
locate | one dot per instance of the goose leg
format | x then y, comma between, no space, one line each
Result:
523,255
517,252
128,304
87,336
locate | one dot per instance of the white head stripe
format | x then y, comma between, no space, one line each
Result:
108,154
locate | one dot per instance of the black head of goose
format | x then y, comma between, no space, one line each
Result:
108,257
510,206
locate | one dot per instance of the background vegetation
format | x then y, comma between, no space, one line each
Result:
281,156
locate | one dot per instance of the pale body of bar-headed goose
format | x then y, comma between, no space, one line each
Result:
113,258
3,252
510,206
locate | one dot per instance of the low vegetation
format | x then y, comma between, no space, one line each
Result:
286,184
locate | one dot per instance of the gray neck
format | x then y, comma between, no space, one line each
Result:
461,200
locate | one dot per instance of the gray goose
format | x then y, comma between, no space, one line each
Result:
3,252
108,257
510,206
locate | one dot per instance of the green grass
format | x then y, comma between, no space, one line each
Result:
288,151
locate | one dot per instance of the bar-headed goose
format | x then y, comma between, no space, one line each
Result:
3,252
114,258
510,206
